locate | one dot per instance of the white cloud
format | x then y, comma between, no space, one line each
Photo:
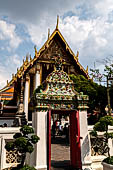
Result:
104,7
8,68
4,76
7,32
15,59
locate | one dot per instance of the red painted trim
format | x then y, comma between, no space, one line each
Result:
78,140
75,150
49,141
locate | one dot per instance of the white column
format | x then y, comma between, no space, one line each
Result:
37,76
2,153
37,79
26,96
85,139
39,157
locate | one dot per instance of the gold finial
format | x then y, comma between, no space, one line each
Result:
30,58
57,21
17,69
27,55
87,69
48,33
77,54
23,61
7,82
35,50
12,76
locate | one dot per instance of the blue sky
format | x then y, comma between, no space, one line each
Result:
87,26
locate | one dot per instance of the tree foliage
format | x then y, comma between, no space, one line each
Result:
97,93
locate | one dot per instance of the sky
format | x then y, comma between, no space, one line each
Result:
87,26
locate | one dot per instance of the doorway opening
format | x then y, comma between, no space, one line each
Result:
60,140
63,144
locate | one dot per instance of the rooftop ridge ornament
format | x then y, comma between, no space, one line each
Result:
87,70
57,22
35,50
77,55
48,33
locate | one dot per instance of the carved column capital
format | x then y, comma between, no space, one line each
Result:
82,101
38,68
27,78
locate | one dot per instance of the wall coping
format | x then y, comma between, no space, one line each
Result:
9,130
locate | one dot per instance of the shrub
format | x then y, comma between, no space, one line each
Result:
23,143
102,126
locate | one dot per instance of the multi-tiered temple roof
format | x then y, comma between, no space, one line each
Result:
7,93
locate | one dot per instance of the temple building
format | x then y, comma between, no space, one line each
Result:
34,72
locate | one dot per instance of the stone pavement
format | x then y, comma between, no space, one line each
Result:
60,154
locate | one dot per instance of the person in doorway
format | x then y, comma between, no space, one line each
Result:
54,129
60,131
66,132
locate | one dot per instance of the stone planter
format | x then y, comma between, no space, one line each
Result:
107,166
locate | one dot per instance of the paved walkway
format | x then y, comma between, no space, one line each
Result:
60,154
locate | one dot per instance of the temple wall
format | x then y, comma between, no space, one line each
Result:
6,159
40,158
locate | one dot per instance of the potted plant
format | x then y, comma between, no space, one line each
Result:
102,126
23,143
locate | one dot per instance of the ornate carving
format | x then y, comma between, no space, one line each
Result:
98,146
13,157
82,101
59,93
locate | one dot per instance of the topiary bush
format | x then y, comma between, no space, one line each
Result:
102,126
23,142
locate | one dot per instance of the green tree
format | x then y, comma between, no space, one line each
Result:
23,142
97,93
107,77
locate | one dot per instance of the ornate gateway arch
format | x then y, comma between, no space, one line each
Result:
60,95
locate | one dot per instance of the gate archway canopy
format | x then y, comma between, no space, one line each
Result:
59,93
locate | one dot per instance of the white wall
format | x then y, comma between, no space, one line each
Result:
5,133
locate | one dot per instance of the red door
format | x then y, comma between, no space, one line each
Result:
49,140
75,151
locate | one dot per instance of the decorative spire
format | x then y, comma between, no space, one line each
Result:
35,50
87,69
7,82
27,56
30,58
48,33
57,22
77,55
12,76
